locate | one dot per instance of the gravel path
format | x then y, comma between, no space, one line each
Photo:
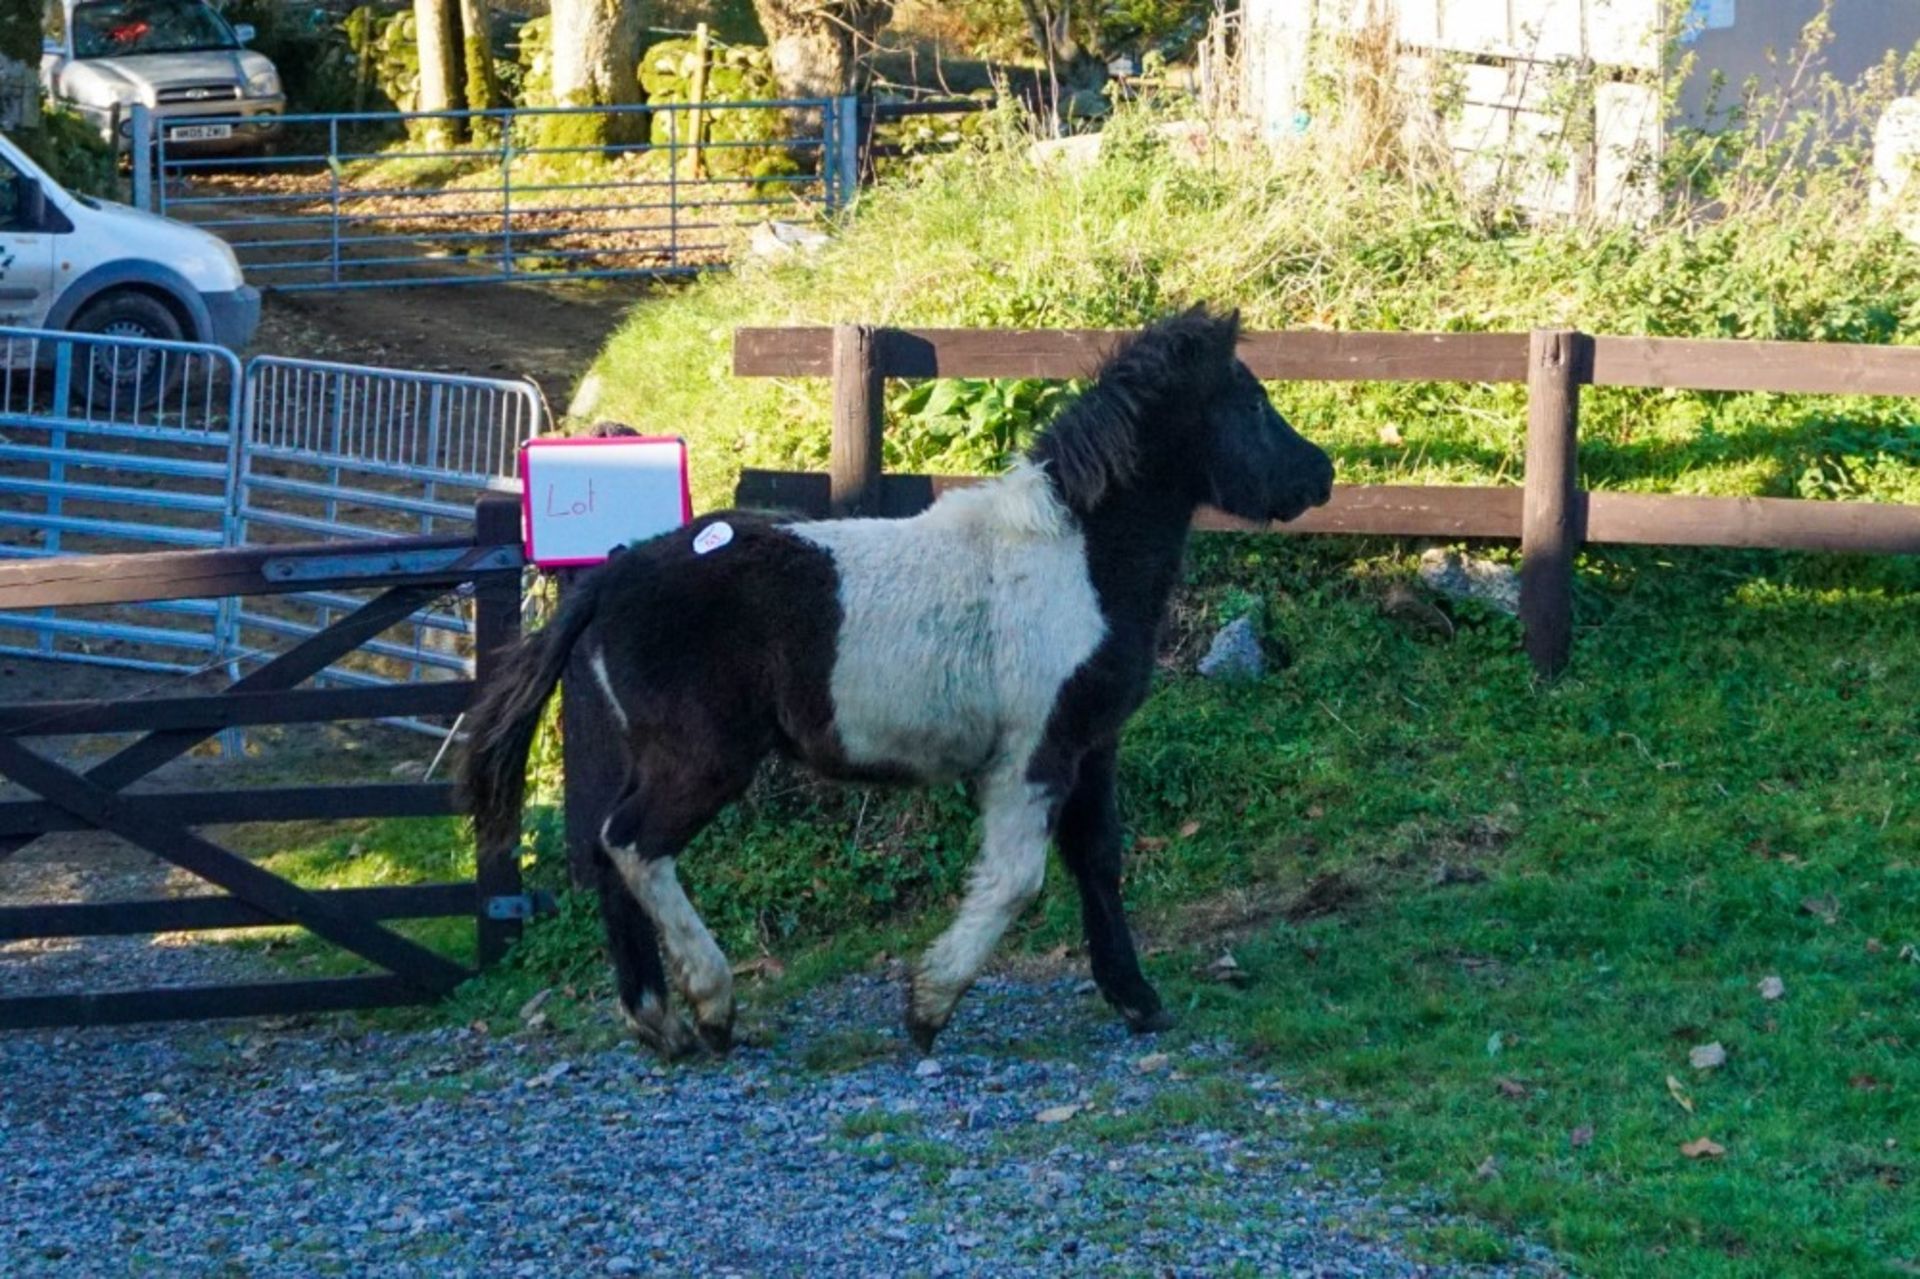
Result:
1044,1141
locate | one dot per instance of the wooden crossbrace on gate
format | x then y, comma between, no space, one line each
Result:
412,573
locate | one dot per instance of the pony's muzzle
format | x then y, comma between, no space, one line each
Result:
1314,490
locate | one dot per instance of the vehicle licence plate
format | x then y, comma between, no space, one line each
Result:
199,132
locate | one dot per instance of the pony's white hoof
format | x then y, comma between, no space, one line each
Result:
670,1035
927,1015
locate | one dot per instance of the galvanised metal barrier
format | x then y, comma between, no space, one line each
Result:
117,444
336,451
383,199
110,445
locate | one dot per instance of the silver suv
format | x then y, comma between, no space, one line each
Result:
178,57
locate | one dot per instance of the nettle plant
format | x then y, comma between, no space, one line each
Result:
969,424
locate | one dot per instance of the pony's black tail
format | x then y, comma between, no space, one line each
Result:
503,720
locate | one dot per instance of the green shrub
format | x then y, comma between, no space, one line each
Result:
73,154
312,53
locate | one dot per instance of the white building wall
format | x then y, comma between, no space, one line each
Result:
1512,123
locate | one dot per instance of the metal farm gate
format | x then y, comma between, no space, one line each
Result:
340,451
384,199
113,445
117,444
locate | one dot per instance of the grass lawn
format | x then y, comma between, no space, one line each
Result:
1495,916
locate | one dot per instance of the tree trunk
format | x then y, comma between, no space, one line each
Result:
437,31
1072,68
596,62
818,45
476,38
596,52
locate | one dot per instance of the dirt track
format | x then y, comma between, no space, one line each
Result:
549,333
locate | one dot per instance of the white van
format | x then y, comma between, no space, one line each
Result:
178,57
73,262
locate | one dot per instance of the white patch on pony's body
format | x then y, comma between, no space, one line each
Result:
698,965
598,665
958,627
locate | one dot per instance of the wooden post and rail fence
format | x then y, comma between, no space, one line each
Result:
1550,515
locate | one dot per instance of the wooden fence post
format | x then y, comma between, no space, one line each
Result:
1559,360
496,623
593,762
859,418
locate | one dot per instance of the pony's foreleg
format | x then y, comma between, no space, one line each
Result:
1006,878
1089,838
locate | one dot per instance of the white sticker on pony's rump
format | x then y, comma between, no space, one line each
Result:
712,537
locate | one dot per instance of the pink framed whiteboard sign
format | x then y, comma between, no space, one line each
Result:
583,496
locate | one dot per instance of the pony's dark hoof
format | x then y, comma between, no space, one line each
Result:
1150,1023
717,1040
922,1033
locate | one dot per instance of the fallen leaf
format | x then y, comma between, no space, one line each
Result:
1510,1087
1825,908
1875,945
1058,1114
1708,1057
537,1022
761,966
1865,1083
1315,812
1581,1136
1489,1168
1189,830
1679,1094
1151,1062
1390,434
532,1006
1059,952
1703,1148
1495,1042
1772,988
1150,843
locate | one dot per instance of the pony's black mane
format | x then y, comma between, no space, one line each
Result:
1094,444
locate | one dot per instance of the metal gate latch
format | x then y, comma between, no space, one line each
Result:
525,906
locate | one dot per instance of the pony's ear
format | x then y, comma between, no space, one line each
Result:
1217,333
1226,332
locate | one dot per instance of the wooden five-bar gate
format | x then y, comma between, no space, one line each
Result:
1550,514
408,574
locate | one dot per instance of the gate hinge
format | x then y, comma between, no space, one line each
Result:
525,906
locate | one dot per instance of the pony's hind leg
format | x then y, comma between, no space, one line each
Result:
645,833
1006,878
634,948
1089,838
